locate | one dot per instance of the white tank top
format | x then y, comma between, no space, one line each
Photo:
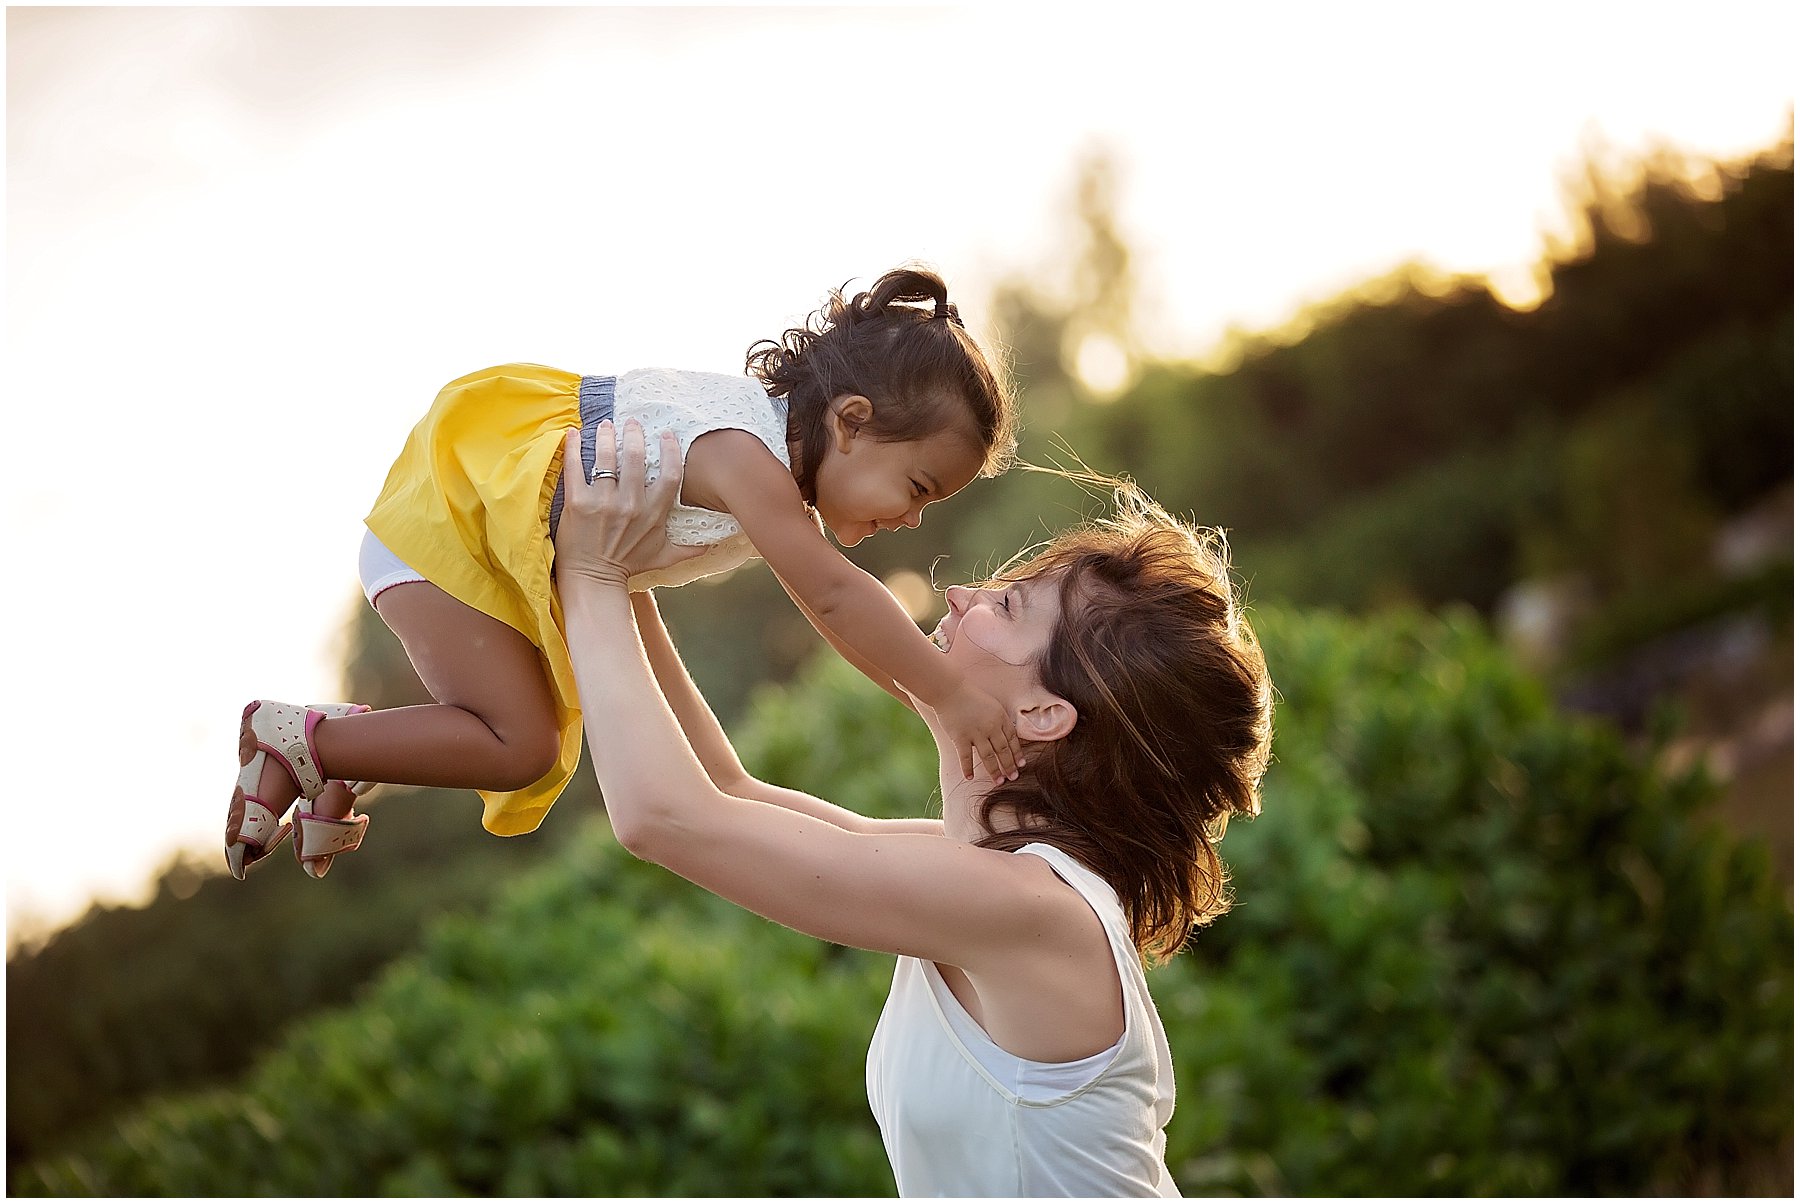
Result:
953,1127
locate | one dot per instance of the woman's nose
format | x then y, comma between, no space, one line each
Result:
959,597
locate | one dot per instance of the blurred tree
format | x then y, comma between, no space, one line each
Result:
1635,518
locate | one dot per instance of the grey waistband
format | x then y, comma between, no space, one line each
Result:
596,407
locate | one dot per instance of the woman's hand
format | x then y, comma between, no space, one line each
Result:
613,526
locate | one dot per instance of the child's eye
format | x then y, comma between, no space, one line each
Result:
919,490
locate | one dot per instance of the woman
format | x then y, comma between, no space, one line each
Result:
1019,1053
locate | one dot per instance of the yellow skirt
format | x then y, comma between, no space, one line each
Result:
467,505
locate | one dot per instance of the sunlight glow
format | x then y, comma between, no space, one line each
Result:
915,594
245,247
1521,287
1103,366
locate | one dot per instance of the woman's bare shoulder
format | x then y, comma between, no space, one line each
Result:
1053,994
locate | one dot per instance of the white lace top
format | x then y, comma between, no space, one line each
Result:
691,404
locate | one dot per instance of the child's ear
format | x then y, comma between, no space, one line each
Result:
849,413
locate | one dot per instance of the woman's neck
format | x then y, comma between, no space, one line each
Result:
963,802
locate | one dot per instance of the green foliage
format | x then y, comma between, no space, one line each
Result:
1478,949
1466,517
1722,398
1665,263
1405,374
604,1030
134,1000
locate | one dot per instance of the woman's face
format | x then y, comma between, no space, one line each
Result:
1001,631
995,638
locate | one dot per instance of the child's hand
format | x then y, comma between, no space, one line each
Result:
978,723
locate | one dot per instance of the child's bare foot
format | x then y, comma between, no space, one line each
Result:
336,802
276,789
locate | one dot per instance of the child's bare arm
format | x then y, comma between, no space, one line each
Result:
713,747
736,469
845,650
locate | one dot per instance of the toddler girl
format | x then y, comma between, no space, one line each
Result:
854,423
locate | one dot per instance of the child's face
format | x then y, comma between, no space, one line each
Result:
864,485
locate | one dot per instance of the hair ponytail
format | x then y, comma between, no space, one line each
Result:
908,361
906,286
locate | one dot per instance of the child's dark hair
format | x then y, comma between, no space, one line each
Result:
919,368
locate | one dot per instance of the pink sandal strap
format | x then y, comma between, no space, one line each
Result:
285,732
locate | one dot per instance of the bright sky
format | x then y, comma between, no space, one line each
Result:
246,246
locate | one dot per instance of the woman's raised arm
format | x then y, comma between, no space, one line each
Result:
713,747
916,893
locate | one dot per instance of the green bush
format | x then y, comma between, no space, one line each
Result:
133,1001
603,1030
1479,948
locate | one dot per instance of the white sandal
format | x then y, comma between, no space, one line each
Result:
284,731
319,838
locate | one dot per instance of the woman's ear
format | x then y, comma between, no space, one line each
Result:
849,414
1047,718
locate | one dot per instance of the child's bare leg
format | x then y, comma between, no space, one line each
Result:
493,726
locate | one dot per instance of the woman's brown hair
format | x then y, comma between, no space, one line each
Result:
919,368
1174,709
